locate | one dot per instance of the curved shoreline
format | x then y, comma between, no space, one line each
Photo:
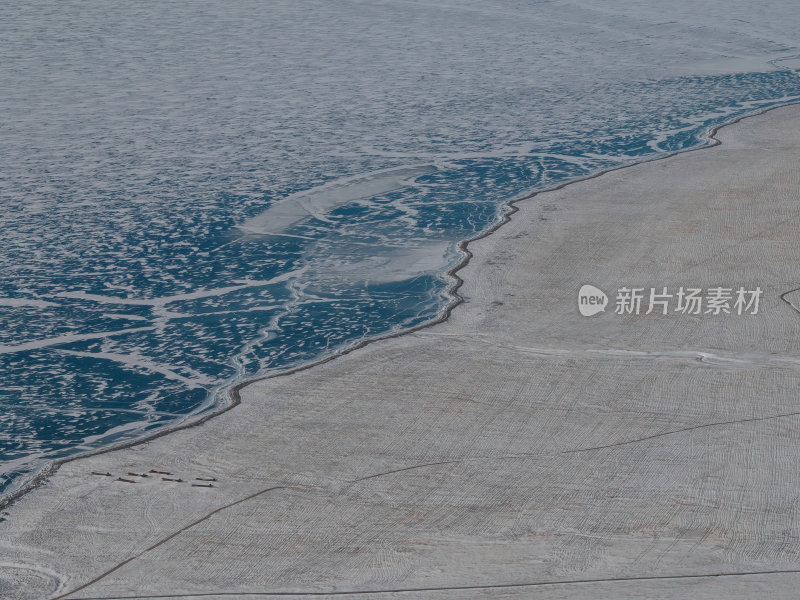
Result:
233,394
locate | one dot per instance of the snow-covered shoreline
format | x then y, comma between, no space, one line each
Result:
470,460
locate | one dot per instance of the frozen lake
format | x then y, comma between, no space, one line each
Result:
196,194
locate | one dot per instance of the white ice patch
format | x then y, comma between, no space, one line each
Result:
127,316
319,201
66,339
386,265
17,302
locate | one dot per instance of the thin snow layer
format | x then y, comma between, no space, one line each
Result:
318,202
25,302
254,184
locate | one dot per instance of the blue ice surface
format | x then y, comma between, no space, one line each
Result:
192,291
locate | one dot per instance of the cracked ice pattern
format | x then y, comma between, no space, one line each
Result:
193,194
